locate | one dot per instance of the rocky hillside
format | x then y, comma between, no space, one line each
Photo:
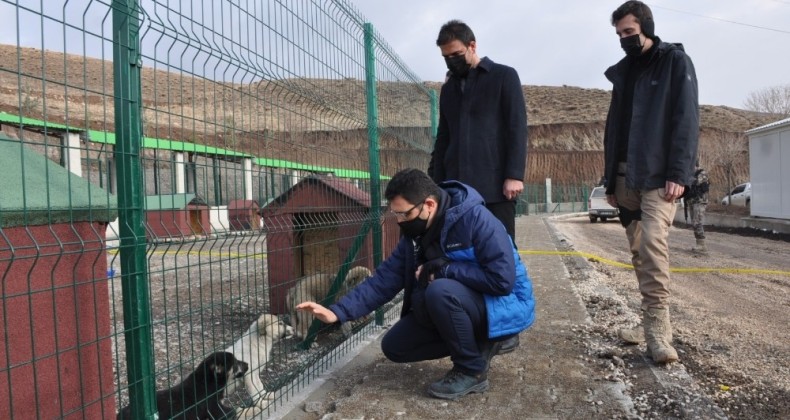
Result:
565,123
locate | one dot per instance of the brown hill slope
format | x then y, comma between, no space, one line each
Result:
566,123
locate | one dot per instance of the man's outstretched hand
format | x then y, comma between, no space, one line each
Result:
318,311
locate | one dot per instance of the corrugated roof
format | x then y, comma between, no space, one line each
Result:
346,188
771,126
340,186
242,204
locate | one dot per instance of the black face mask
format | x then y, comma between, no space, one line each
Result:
632,45
414,227
457,65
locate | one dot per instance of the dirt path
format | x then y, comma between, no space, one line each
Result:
730,312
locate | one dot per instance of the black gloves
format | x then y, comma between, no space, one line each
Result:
436,267
628,216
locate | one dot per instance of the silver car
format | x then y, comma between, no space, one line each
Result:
598,207
739,196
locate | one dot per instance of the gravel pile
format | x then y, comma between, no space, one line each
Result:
733,355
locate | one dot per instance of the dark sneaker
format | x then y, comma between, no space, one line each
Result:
456,384
508,345
488,350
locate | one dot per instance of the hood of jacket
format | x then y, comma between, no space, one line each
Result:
617,72
462,199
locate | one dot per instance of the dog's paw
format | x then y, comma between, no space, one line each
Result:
265,399
346,328
253,412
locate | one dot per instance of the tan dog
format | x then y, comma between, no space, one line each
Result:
314,288
255,347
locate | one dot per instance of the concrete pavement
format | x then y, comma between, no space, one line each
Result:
546,377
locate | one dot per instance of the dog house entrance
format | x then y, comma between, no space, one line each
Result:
194,222
316,236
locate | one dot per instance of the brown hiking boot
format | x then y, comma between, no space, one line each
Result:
634,335
700,248
658,334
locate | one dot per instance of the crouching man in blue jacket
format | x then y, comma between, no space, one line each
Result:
465,288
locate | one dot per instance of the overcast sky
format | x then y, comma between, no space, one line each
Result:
737,46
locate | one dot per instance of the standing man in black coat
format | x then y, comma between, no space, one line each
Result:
650,146
482,135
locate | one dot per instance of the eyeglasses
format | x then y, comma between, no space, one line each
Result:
405,214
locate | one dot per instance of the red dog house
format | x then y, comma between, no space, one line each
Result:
56,355
173,216
311,228
244,215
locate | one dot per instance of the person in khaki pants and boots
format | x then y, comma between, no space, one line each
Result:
650,146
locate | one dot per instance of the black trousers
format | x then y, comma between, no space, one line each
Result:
505,211
458,315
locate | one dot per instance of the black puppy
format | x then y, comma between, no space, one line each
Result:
199,396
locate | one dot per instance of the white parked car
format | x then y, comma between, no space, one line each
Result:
739,196
598,207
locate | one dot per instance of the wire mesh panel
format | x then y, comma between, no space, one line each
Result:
57,354
553,198
178,175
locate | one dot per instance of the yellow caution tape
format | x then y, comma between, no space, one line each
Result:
672,269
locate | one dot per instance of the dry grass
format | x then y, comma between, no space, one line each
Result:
280,118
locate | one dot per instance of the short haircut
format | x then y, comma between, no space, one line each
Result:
641,12
455,29
413,185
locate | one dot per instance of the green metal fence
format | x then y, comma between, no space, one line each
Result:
553,198
172,171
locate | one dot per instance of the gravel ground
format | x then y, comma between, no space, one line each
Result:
729,310
204,294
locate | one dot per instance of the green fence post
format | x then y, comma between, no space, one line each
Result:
434,115
340,277
373,149
585,195
131,202
215,176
